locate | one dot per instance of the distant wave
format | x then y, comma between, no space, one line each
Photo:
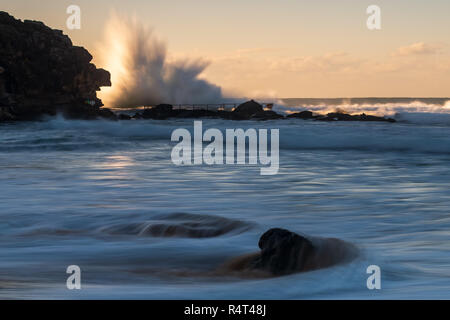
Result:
421,111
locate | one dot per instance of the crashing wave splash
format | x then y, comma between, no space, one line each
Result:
141,72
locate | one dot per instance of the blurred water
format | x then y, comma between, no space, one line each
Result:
381,186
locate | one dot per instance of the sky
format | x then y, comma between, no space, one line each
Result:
284,48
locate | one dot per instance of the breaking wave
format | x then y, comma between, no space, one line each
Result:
416,112
141,72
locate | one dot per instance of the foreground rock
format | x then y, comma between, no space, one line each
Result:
284,252
42,73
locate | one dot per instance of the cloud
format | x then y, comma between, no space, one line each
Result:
332,62
418,48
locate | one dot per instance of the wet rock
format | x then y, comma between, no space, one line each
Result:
42,73
284,252
267,115
123,116
302,115
180,225
6,115
106,113
160,112
247,109
202,113
339,116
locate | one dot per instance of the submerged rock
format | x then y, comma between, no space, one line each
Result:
42,73
284,252
183,225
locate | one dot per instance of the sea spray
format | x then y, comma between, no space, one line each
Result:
141,72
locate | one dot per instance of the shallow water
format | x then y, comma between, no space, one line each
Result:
381,186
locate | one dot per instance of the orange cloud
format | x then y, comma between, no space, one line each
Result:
418,48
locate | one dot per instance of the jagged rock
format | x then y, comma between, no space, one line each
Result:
42,73
246,110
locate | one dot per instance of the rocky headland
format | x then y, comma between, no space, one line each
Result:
43,73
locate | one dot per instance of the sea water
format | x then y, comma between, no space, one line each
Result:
382,186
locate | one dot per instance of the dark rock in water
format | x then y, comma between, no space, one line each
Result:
6,115
181,225
123,116
284,252
246,110
197,114
42,73
106,113
267,115
339,116
302,115
364,117
160,112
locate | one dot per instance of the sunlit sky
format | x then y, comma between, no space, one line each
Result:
284,48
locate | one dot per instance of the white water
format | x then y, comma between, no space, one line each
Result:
381,186
143,74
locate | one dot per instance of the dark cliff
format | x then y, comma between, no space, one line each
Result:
43,73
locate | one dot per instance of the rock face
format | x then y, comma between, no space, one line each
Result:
41,73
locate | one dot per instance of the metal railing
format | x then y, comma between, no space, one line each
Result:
210,106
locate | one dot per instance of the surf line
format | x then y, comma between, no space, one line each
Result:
235,147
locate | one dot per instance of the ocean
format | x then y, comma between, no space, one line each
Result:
85,192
